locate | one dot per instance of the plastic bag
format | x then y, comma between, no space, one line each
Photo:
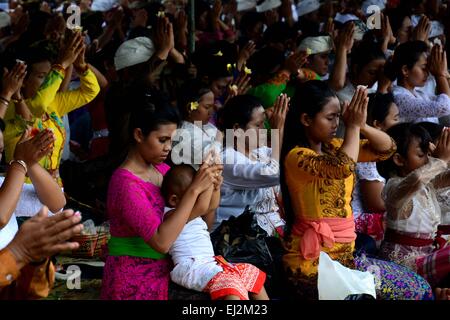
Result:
336,282
89,228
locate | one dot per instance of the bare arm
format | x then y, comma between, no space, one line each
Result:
344,45
371,195
48,191
202,204
10,192
379,140
170,228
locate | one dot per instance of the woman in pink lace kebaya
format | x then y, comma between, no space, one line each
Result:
137,266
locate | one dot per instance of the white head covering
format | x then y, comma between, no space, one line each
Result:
307,6
243,5
5,19
133,52
267,5
367,3
316,45
104,5
344,18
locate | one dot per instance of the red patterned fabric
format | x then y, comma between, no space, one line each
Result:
236,279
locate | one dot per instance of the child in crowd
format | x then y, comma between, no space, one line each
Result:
196,267
413,213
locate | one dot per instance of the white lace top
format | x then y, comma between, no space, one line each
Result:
420,106
443,197
411,201
364,171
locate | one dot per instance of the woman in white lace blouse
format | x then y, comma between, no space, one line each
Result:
411,67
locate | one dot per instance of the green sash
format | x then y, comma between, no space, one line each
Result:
134,247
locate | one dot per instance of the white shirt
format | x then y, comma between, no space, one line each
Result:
8,232
193,256
245,182
364,171
415,195
419,106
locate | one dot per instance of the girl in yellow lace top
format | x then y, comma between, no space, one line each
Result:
43,105
319,175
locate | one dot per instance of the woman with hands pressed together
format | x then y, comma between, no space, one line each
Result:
317,183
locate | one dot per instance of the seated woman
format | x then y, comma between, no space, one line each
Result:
43,107
411,67
137,266
317,180
251,168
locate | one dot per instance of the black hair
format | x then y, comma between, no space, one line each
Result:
279,32
191,91
379,106
213,61
238,110
39,51
403,134
249,20
309,98
264,63
407,54
150,109
364,53
176,180
2,125
433,129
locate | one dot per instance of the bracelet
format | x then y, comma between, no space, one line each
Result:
6,101
20,162
38,263
59,67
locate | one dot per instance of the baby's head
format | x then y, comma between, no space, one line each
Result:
176,181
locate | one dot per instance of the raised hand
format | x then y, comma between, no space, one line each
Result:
12,80
438,62
70,52
164,38
345,38
386,31
295,61
245,53
34,149
355,113
41,236
422,30
278,113
442,150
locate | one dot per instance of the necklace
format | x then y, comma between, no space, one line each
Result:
157,176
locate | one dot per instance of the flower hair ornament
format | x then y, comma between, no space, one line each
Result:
193,105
